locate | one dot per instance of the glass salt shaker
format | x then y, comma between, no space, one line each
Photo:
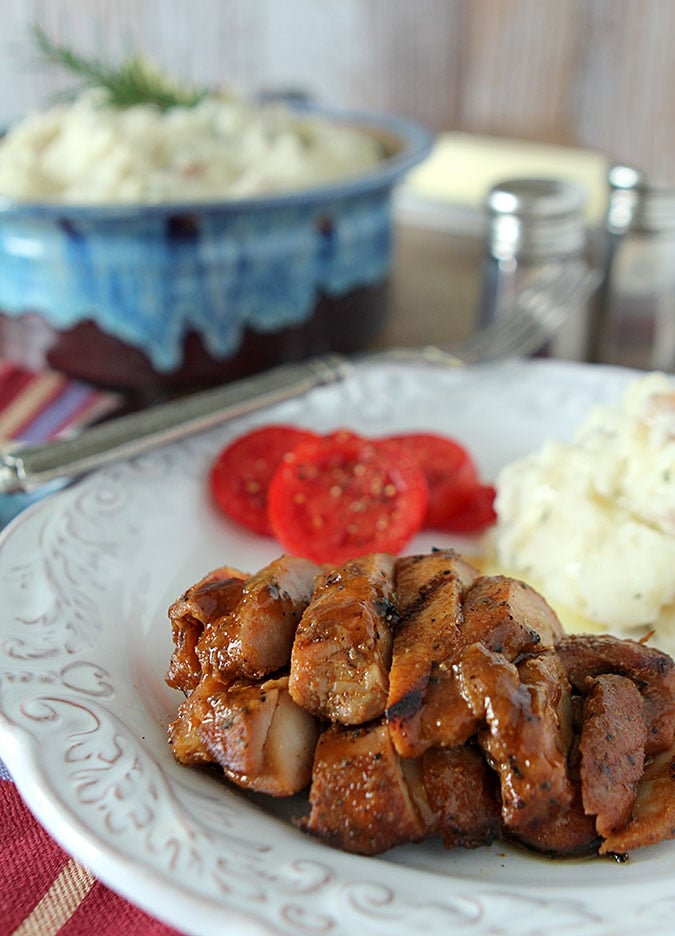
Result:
634,321
535,228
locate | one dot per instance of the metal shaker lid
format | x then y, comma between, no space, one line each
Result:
638,205
536,218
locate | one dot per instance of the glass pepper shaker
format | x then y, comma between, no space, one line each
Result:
534,228
634,320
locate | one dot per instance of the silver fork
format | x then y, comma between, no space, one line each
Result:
533,319
525,328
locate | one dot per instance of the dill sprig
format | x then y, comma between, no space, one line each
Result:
135,81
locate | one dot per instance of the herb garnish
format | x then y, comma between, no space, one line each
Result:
136,81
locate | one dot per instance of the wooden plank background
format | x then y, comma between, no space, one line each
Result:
597,73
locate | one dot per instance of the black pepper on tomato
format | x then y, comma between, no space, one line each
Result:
344,496
240,476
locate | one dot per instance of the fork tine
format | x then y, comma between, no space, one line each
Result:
520,330
525,328
531,322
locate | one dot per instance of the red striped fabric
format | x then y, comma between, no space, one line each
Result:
44,892
39,406
12,381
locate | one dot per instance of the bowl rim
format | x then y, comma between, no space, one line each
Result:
413,141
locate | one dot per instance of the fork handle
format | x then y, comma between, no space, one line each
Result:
29,468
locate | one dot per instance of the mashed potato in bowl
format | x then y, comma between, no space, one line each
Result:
89,152
591,523
156,251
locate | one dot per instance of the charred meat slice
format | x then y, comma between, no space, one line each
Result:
211,599
260,737
612,747
509,617
366,799
254,731
360,801
653,817
524,742
504,614
462,796
421,683
586,656
571,833
184,737
255,638
342,649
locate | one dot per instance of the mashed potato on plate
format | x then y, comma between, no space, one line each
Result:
89,152
591,523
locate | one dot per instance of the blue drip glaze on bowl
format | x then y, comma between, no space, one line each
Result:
148,274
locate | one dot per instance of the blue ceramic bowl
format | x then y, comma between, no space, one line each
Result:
175,295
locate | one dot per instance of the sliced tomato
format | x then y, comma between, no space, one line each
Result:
475,514
450,472
344,496
240,475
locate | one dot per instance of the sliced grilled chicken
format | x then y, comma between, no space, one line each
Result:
255,638
495,723
342,649
653,815
184,737
253,730
461,797
420,713
209,601
570,833
360,800
366,799
524,741
612,747
509,617
502,613
586,656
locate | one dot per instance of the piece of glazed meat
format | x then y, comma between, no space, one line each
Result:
570,833
359,798
461,796
586,656
449,614
612,748
253,730
525,741
209,600
366,799
653,814
342,649
506,616
424,708
183,732
509,617
256,636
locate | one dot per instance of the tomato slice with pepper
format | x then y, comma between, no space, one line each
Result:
475,514
344,496
240,475
449,469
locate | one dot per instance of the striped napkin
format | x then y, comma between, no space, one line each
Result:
36,407
43,891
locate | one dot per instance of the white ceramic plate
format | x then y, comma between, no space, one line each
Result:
86,577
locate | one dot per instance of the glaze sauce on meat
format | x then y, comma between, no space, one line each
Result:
416,698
